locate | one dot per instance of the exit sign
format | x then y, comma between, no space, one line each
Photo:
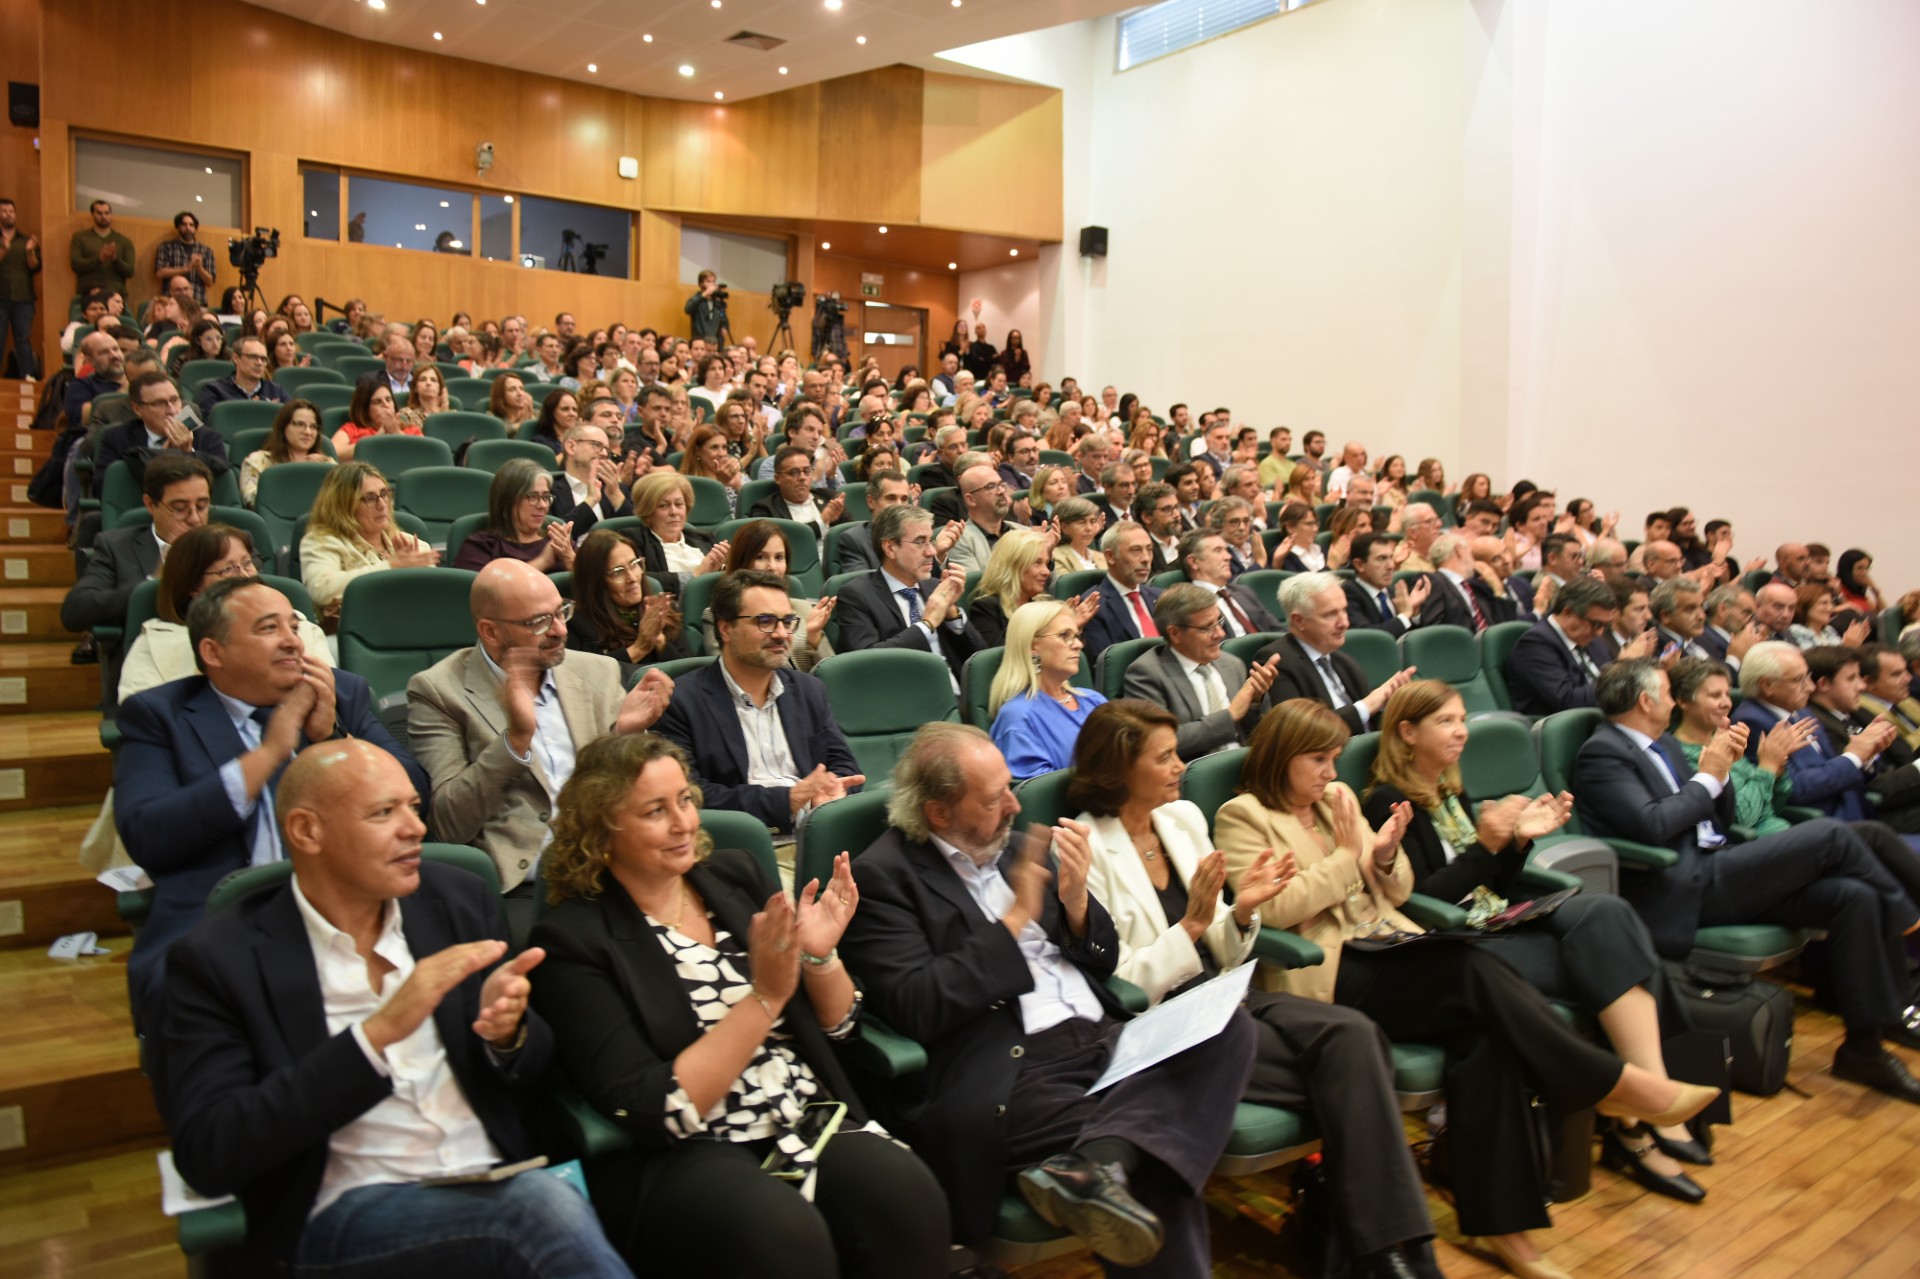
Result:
869,290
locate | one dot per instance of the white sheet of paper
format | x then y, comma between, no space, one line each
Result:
124,879
1176,1025
176,1196
74,945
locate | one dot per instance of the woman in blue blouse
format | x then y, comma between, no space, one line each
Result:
1037,714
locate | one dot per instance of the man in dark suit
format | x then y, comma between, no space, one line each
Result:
1550,668
1157,509
1631,781
1375,602
337,1040
968,948
898,605
761,735
200,757
1679,613
1126,601
1729,631
588,488
1632,618
1834,772
158,432
1311,663
1212,693
177,494
856,553
1465,591
1892,779
795,499
1207,562
1022,461
1773,606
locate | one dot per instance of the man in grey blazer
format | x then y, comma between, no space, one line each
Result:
1212,693
497,725
856,552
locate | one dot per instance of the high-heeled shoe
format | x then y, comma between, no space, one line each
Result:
1693,1099
1616,1154
1540,1268
1690,1151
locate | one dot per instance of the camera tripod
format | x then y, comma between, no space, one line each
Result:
566,262
251,295
773,343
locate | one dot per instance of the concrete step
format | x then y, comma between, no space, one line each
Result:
44,891
51,758
39,676
32,613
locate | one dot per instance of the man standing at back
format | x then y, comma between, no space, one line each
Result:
184,257
100,256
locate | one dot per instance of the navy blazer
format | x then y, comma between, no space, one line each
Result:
937,969
701,717
173,813
1618,791
613,501
128,443
1445,607
1543,676
870,617
1821,779
1714,643
1114,621
255,1086
1363,609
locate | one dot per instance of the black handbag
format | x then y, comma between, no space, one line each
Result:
1754,1017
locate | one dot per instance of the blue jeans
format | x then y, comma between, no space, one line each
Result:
19,317
530,1227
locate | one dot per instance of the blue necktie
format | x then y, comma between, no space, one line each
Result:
1386,607
1706,833
912,597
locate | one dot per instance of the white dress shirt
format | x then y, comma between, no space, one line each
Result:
1336,691
682,556
579,488
552,741
907,614
1209,690
425,1126
1060,990
266,832
769,756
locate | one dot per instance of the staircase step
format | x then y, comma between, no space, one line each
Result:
21,525
36,565
44,891
50,758
32,613
73,1063
38,676
18,436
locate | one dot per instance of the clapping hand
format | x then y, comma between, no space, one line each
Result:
715,559
1640,645
1727,745
1544,815
1260,883
645,702
1386,840
427,985
944,602
503,999
1074,853
823,915
1409,599
772,952
1254,690
1782,740
319,676
947,537
1084,606
1203,895
1496,821
817,618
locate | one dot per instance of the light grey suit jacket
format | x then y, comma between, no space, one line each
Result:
482,795
1158,678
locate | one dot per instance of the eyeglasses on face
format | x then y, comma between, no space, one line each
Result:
541,623
379,498
633,568
544,497
768,623
239,568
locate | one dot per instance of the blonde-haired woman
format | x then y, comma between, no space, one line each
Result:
662,500
1016,573
1036,711
1052,485
352,532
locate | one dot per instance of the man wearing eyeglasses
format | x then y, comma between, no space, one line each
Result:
248,382
159,429
795,498
761,735
589,489
900,606
497,725
1212,693
985,496
176,493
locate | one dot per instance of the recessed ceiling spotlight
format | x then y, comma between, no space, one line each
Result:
438,36
419,226
825,245
209,170
445,205
956,4
859,39
953,266
1013,253
717,95
313,213
647,38
833,5
507,198
685,69
716,4
594,67
783,70
376,4
883,230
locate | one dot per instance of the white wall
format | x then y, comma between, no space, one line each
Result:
1009,298
1644,253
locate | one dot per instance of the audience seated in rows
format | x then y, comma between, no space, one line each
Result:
156,431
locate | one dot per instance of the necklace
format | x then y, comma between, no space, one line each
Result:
1142,841
678,915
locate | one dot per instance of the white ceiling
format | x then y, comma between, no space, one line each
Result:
560,37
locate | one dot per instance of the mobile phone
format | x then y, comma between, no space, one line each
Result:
818,1123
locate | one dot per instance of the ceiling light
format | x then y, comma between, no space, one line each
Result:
507,198
438,36
199,199
376,4
717,95
883,230
783,70
209,170
593,67
445,205
313,213
685,69
716,4
859,39
648,39
833,5
419,226
825,245
953,266
456,244
1013,253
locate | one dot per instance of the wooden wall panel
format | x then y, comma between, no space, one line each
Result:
760,156
19,158
975,131
870,146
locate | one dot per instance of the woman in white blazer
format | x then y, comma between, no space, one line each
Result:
1155,871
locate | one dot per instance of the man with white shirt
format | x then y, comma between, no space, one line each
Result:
794,496
589,490
545,367
943,381
336,1042
1420,524
497,725
1208,562
1311,663
899,605
1216,449
160,427
1466,592
1211,692
807,429
1353,463
1375,602
398,353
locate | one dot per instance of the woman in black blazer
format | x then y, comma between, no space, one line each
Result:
1593,952
693,1003
613,613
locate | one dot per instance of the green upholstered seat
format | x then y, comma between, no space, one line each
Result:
919,690
395,624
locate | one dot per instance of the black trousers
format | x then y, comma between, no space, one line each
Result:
1179,1112
1337,1062
705,1208
1821,875
1895,855
1501,1038
1588,953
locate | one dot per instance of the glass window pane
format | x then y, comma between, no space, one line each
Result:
751,262
602,241
148,182
1172,25
320,188
406,216
496,228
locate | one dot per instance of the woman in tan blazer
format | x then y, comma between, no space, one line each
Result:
1153,862
1501,1036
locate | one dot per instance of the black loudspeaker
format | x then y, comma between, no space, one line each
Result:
23,104
1093,242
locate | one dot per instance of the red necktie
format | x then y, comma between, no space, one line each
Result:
1239,618
1473,601
1140,615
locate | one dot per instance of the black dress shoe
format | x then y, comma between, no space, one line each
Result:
1879,1070
1091,1200
1388,1263
1419,1255
1625,1160
1687,1152
86,652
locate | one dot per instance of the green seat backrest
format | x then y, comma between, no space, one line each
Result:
1451,653
395,455
1057,457
856,495
917,473
1499,760
709,502
1559,738
471,393
1265,583
355,367
696,597
1439,504
830,552
1213,779
1248,647
1110,671
752,490
454,427
491,455
976,683
311,342
439,495
285,496
1355,765
460,530
195,372
929,496
1172,577
1043,799
325,396
539,390
333,417
252,879
1893,619
119,493
230,417
731,829
395,624
300,383
673,669
1079,582
918,691
1496,645
803,552
1376,652
1752,581
847,825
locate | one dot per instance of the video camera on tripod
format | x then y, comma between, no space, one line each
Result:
250,254
590,254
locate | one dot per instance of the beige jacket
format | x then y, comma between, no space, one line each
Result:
329,562
1330,896
482,795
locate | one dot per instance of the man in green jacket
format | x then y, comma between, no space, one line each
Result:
102,258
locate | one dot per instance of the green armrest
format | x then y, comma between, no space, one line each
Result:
1643,856
883,1051
1431,912
1548,880
135,906
1797,813
206,1230
110,734
1286,949
108,635
1742,834
1131,997
592,1132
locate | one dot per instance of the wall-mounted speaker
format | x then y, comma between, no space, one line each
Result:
23,104
1093,242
